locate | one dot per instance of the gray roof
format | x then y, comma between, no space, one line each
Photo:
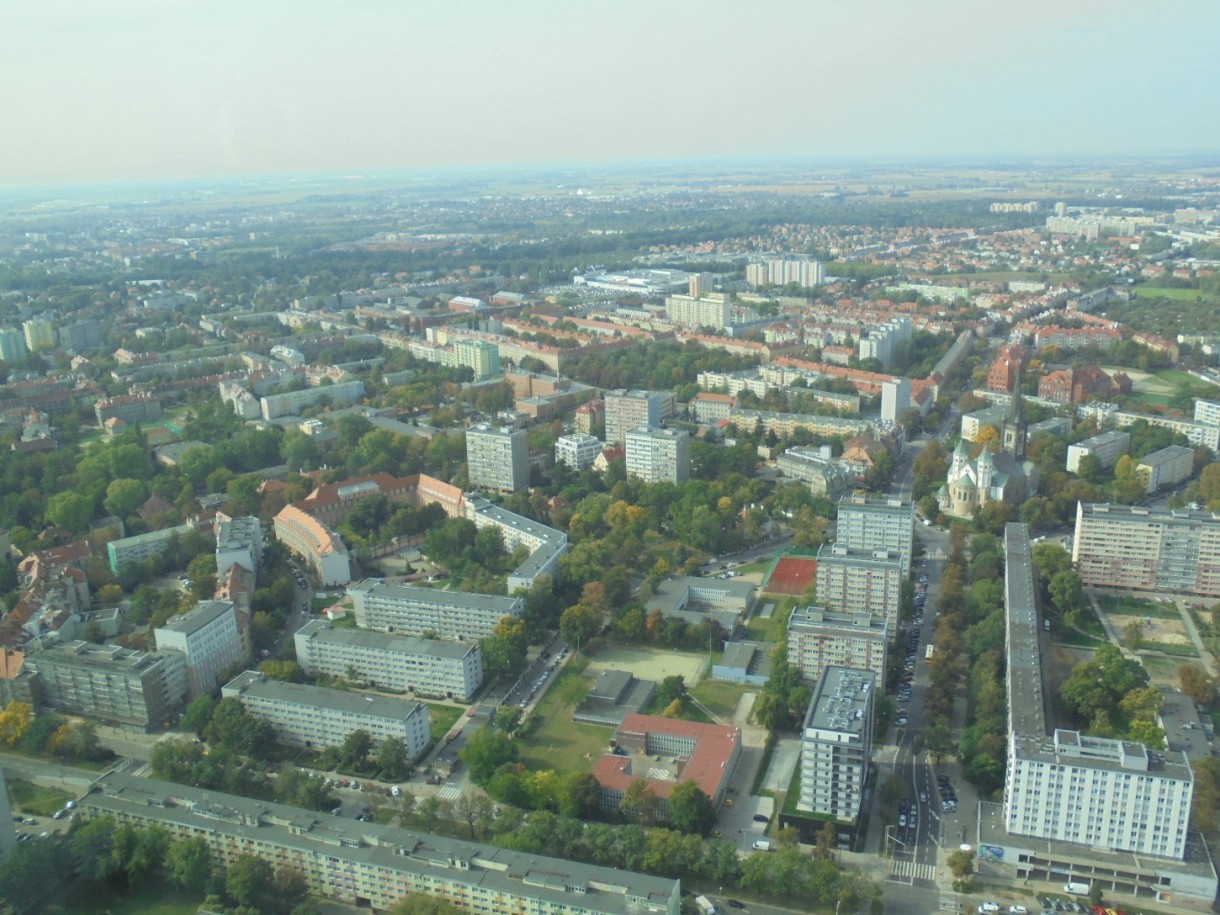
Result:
198,616
408,594
1167,454
841,700
377,846
252,683
386,641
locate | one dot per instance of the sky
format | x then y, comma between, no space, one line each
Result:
122,90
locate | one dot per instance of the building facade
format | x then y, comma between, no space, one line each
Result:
625,410
313,541
208,638
577,450
658,455
427,667
143,547
1170,465
240,541
870,523
312,716
861,581
1107,447
818,639
414,611
837,743
498,458
373,866
291,403
1121,546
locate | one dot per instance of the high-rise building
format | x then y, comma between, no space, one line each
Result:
577,450
895,398
12,345
700,284
1148,549
861,581
376,865
627,409
39,334
877,524
81,336
377,604
209,640
819,638
1095,792
498,458
780,271
837,743
481,356
313,716
658,455
427,667
712,309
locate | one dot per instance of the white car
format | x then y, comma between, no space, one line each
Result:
902,820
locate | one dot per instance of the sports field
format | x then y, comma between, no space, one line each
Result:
791,575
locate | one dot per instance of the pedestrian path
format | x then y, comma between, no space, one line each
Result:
913,869
449,792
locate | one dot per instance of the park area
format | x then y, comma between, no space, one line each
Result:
1158,622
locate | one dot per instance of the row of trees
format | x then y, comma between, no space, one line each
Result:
50,735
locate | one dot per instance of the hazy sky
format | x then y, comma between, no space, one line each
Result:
128,89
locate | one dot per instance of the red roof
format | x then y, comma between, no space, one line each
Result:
707,766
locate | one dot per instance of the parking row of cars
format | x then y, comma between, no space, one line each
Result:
543,677
948,797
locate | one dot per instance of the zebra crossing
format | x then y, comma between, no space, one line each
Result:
913,870
449,792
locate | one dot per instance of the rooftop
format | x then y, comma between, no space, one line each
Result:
841,701
380,589
255,685
198,616
385,641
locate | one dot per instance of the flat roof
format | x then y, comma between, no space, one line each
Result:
1138,514
816,618
382,846
252,683
386,641
1166,454
198,616
841,700
384,590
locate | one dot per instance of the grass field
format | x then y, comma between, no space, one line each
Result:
722,698
36,799
1137,606
153,898
441,718
769,630
1168,292
556,741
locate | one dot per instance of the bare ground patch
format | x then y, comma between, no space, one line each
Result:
648,664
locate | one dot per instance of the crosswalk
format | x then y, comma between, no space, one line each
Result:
913,869
449,792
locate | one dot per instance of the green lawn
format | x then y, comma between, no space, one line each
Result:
1168,292
769,630
1127,605
552,740
1180,379
722,698
36,799
153,898
441,718
1177,649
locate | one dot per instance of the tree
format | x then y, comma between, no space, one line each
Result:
579,623
190,863
71,510
486,750
124,496
288,671
690,810
672,689
474,809
13,722
1196,684
961,863
393,759
419,904
505,650
809,528
640,801
250,881
356,748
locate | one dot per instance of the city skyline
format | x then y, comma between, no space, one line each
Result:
130,90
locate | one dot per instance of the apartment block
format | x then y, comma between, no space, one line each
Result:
658,455
625,410
870,523
1107,447
1095,792
456,615
577,450
780,271
825,476
498,458
238,541
110,684
143,547
12,345
861,581
312,716
130,408
291,403
837,743
372,866
1121,546
39,334
1172,464
208,637
710,309
545,544
895,398
80,336
314,542
1207,412
480,356
426,667
818,639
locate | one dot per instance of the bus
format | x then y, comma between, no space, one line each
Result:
927,654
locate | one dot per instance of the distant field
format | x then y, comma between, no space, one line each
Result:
1168,292
1180,378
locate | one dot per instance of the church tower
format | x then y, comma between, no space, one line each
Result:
1013,436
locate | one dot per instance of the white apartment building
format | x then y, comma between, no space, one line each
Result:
1107,794
314,542
1125,546
877,524
837,743
456,615
711,309
861,581
1107,447
974,423
427,667
238,541
780,271
377,865
578,450
208,638
818,639
895,398
291,403
314,717
625,410
480,356
545,544
1207,412
1169,465
881,343
498,458
658,455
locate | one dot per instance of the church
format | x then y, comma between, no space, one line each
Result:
1002,476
